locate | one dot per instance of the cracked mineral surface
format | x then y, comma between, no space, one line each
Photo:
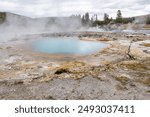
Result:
119,71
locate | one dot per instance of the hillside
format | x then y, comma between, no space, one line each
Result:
141,19
11,18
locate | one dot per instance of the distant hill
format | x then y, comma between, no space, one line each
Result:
141,19
12,19
15,22
142,16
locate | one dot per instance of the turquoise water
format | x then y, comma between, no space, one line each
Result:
69,45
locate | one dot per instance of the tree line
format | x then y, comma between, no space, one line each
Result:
93,21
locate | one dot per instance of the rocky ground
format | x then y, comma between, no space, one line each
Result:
120,71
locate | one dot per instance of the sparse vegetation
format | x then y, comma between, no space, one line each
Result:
86,21
148,20
146,44
145,81
2,17
123,80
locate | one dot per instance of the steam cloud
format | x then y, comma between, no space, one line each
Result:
16,25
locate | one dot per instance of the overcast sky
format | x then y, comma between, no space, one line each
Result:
44,8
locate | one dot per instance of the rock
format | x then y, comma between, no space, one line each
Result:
61,71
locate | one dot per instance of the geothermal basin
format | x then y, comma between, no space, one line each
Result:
115,66
66,45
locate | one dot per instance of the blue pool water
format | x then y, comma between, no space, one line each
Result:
71,45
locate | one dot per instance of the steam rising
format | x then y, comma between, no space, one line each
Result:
16,25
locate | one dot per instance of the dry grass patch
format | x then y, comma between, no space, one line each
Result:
122,79
145,81
146,44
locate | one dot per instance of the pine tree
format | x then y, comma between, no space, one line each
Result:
106,18
96,17
148,20
83,20
87,18
119,17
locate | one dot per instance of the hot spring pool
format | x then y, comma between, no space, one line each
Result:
70,45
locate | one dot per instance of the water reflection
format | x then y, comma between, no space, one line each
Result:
70,45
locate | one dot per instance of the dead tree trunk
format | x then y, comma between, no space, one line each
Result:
129,55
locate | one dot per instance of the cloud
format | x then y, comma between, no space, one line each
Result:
44,8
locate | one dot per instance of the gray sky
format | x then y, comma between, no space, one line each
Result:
44,8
